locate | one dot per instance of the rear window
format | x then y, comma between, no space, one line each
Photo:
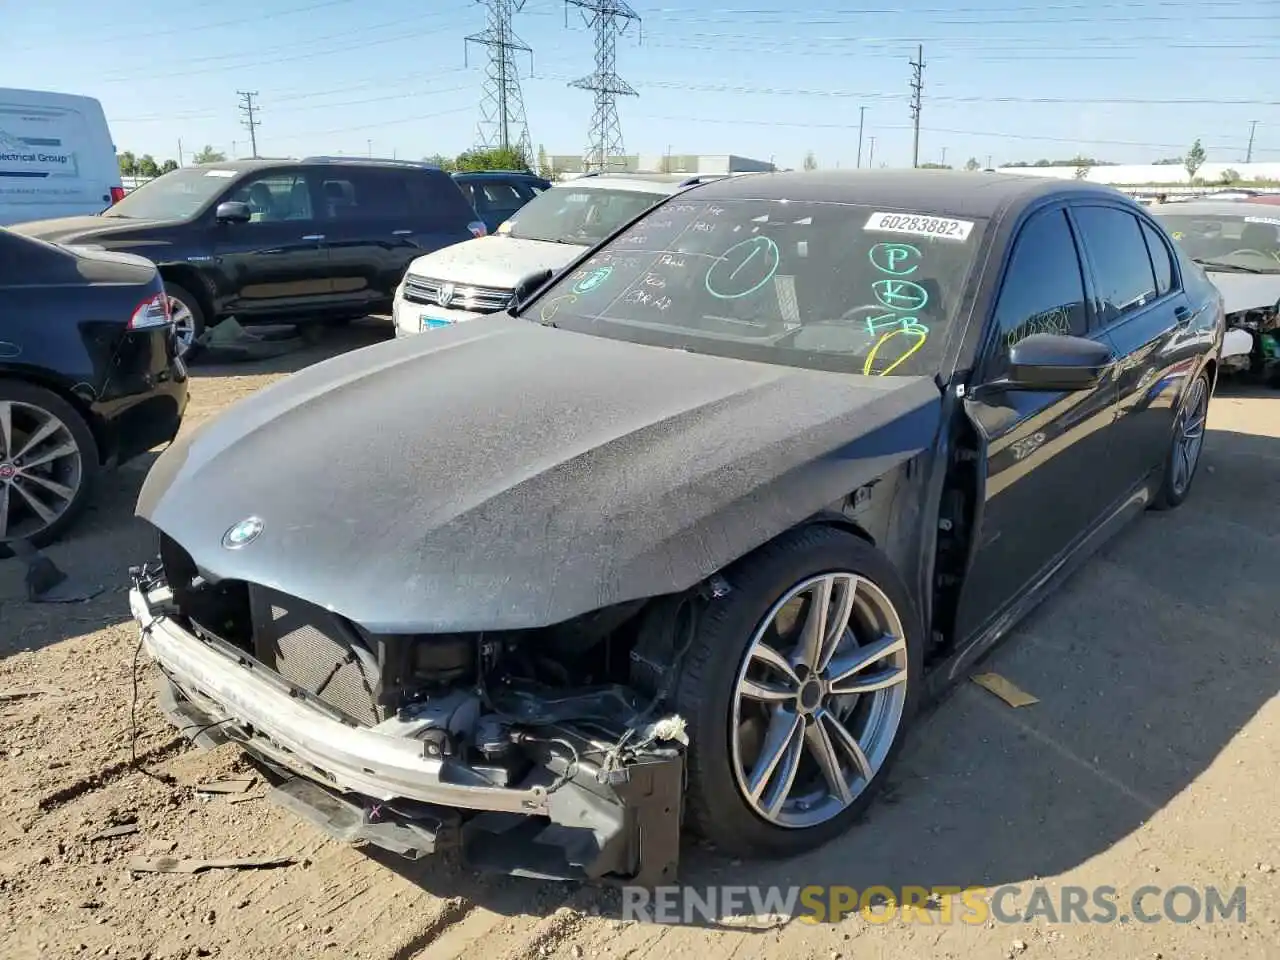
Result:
582,216
383,194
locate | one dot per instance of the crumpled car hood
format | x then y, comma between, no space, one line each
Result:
1246,291
501,262
502,474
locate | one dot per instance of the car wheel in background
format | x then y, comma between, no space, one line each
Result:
188,317
796,689
1186,445
48,462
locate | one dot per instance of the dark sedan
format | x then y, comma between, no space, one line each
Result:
689,538
88,377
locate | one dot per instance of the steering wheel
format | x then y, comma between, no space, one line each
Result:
1235,253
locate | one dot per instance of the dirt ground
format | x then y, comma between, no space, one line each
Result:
1151,758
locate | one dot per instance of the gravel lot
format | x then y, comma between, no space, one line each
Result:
1151,758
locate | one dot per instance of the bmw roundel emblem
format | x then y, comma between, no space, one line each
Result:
242,534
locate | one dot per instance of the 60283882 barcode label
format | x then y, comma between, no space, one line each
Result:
916,225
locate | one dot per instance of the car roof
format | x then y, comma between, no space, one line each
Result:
263,163
1207,208
496,175
957,193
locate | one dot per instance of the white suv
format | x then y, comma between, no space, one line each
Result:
476,277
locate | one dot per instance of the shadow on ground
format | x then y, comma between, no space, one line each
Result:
1147,663
320,343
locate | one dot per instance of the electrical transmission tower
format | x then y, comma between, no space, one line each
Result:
917,85
608,18
502,120
250,121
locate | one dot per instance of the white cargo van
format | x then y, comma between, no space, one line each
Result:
56,157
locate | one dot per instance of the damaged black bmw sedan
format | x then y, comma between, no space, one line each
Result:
684,539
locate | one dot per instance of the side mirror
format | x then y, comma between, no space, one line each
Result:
233,211
1054,362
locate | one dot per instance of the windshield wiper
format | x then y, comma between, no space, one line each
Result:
1226,265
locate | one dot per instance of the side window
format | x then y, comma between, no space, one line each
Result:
276,198
439,198
1043,291
502,196
1121,263
1160,259
358,195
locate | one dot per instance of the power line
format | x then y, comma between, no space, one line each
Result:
608,18
917,88
502,103
250,122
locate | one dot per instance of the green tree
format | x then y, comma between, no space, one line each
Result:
544,164
209,155
147,166
1230,176
935,166
1194,159
496,159
810,161
128,164
168,165
972,164
440,160
1083,165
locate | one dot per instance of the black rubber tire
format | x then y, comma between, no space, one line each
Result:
28,393
192,303
714,807
1167,498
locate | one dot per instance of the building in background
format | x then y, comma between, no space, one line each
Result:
570,165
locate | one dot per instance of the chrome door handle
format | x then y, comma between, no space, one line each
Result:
401,233
314,236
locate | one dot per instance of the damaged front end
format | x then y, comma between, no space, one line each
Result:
1252,343
535,753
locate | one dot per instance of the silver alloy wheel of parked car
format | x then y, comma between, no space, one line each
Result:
1190,439
184,325
819,699
41,469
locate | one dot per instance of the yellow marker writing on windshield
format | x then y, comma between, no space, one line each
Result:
552,307
920,335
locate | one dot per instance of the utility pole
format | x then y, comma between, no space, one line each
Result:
608,18
179,151
251,121
369,144
989,167
917,86
944,156
502,125
872,154
862,115
1248,157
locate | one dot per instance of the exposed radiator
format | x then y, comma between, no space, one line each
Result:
314,649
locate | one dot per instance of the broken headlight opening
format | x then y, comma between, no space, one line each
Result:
1252,343
543,753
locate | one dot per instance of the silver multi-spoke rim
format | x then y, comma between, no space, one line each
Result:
184,325
819,699
41,469
1190,436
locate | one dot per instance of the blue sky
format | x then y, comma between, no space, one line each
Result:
1123,80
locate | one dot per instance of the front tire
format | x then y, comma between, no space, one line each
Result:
48,464
1186,446
796,690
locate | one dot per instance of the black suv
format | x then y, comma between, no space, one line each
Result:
325,238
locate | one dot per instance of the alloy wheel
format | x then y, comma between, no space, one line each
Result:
184,325
1189,439
41,469
819,700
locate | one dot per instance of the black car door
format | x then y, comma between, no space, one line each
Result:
1143,311
380,219
276,263
1047,477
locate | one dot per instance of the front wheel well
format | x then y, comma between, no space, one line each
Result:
189,279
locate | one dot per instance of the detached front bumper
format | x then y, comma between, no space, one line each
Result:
568,819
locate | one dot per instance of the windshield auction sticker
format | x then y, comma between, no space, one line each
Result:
915,225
